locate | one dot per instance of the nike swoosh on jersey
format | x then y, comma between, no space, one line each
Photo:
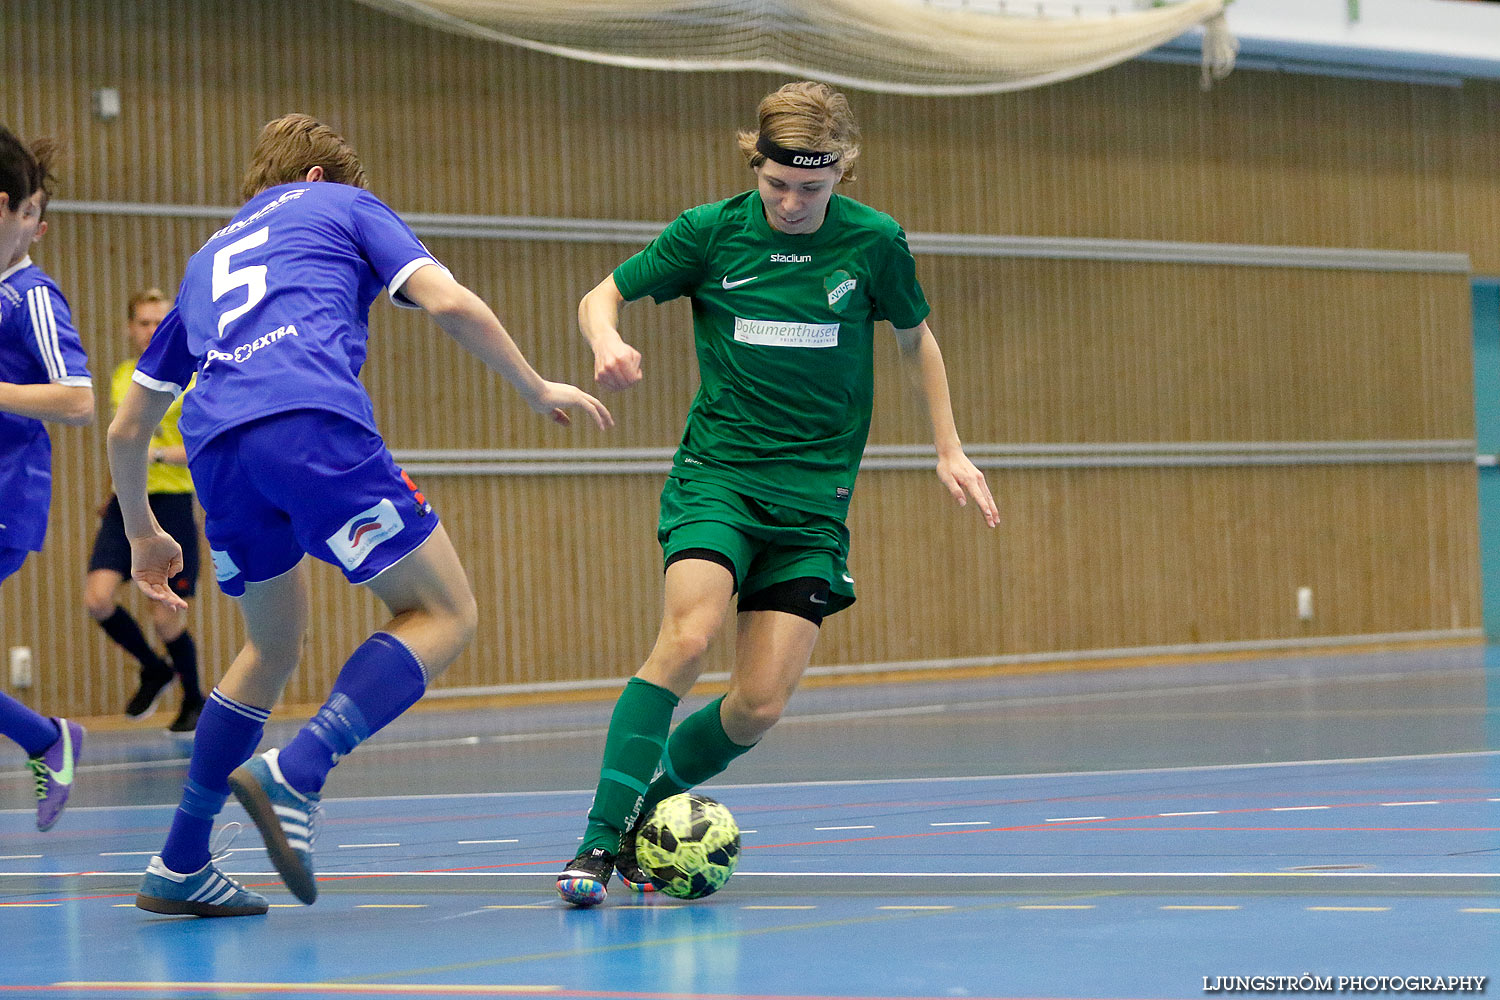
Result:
735,284
65,776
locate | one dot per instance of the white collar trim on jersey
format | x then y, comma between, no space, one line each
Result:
25,262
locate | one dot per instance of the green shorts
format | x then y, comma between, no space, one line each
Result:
767,543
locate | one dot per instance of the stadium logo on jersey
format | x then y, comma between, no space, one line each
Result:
791,258
838,285
242,353
771,333
361,533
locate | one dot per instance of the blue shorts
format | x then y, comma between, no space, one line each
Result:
305,481
11,560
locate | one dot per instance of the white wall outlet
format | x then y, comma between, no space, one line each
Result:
20,667
107,104
1304,603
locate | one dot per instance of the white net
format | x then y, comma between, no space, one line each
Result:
898,46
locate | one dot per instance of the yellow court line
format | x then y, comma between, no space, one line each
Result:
914,907
1200,907
520,906
1349,909
284,906
778,907
1055,906
391,906
32,906
1480,909
255,989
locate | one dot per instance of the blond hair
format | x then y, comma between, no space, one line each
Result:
292,145
806,115
142,297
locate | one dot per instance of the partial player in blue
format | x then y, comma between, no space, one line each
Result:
44,377
271,316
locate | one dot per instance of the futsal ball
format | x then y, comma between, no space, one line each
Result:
689,845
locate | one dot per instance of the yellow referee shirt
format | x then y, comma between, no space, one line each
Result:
160,477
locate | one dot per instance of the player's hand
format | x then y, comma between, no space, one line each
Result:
617,365
154,560
964,480
556,398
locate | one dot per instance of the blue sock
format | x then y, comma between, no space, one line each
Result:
228,733
35,732
380,681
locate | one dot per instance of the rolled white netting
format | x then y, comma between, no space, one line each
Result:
897,46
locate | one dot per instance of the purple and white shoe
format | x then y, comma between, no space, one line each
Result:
52,771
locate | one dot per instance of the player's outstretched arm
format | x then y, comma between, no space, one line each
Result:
923,362
617,365
61,404
464,317
154,556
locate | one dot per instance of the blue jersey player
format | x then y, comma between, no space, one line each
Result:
44,376
271,317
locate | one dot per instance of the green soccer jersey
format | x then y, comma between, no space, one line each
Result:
784,326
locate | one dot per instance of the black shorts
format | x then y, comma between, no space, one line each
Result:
174,511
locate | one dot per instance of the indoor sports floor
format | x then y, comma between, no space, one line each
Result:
1056,833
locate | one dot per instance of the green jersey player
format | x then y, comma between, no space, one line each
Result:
787,282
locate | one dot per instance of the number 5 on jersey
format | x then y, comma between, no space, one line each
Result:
252,277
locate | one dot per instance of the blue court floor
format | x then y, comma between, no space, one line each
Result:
1140,832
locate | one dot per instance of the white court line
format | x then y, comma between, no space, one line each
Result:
19,857
1196,812
857,782
1293,809
511,841
349,847
127,854
1072,819
970,822
823,828
1426,802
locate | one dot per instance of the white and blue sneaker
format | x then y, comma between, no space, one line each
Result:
285,817
207,892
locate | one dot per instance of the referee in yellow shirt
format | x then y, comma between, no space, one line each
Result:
171,495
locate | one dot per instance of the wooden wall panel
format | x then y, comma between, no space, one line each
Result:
1038,351
452,124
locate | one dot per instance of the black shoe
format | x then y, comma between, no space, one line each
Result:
636,878
143,702
583,882
187,717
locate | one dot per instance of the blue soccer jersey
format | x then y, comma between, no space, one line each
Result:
38,345
272,314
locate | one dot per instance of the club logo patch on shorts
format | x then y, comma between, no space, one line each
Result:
224,567
361,533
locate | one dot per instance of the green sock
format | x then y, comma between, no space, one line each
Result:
698,750
632,750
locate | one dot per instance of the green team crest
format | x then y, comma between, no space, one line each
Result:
838,285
